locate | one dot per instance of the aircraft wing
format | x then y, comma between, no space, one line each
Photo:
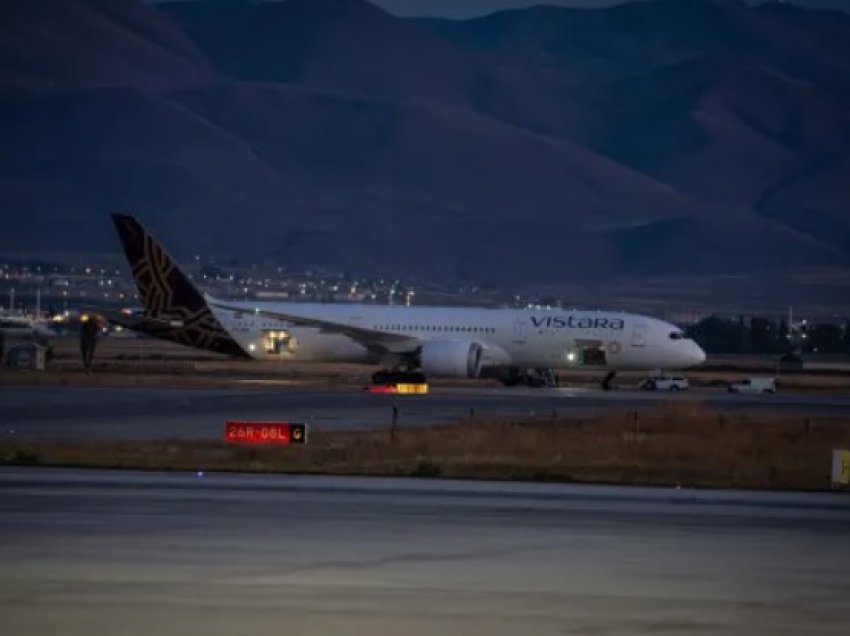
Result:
136,322
376,341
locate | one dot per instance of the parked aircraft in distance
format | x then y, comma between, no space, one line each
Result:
25,328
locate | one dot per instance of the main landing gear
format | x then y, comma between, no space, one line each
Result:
385,377
608,382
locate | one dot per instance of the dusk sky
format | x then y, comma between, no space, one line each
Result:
470,8
473,8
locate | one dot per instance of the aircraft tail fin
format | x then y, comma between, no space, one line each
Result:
164,288
167,293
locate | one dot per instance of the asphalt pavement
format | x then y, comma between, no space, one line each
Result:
73,412
113,552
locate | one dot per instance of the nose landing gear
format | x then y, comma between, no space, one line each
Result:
608,381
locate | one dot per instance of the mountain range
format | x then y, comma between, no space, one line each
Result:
540,145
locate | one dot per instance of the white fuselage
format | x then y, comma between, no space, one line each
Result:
545,338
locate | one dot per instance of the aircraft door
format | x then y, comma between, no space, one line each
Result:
279,342
520,331
639,336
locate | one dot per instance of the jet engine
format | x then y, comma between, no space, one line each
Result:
451,358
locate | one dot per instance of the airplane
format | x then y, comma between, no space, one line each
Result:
26,328
410,343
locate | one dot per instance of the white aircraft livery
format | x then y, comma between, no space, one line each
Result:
410,343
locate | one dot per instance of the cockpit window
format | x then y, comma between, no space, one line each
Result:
676,335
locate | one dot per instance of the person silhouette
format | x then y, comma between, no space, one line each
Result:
88,341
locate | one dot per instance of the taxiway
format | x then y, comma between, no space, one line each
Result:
37,413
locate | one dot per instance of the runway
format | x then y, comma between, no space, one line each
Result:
68,412
84,552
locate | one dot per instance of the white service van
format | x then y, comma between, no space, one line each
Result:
665,383
754,385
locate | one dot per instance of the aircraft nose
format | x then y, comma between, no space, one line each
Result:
698,355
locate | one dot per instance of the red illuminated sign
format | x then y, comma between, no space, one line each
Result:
265,433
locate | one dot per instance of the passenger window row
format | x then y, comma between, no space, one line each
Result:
443,328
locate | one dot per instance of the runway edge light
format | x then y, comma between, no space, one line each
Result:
276,433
